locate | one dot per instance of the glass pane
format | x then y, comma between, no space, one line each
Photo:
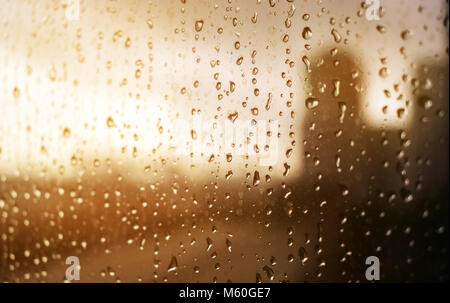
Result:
242,141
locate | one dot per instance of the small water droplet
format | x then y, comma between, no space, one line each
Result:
198,25
269,272
337,37
228,244
256,178
311,102
307,33
173,264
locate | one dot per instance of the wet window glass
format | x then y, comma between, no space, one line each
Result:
224,141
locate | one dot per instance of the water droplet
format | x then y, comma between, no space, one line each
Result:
426,103
173,264
384,72
269,272
311,102
209,243
66,132
343,109
302,255
228,244
307,33
229,174
256,178
198,25
149,23
336,90
110,122
344,190
16,92
307,63
128,42
269,101
337,37
255,18
381,29
406,34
